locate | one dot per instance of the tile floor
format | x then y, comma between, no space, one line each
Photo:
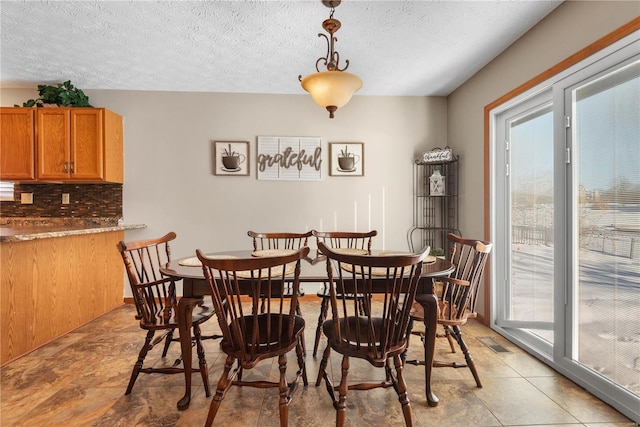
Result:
80,379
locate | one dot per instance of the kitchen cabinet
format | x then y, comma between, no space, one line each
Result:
79,145
51,286
17,144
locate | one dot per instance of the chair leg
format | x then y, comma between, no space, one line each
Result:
402,391
167,342
323,364
301,364
202,361
343,388
138,365
284,391
299,313
223,385
324,306
457,333
448,333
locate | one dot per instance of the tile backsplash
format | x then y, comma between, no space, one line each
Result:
85,201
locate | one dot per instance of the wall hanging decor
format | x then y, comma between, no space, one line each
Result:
289,158
346,158
438,155
231,158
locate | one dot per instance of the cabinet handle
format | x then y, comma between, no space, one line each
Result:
73,167
66,167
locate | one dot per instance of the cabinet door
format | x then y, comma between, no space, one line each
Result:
87,144
54,143
17,144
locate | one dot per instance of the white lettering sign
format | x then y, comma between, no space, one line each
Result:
289,158
438,155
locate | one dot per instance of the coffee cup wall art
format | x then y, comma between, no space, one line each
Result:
231,158
346,159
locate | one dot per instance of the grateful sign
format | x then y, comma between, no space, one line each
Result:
289,158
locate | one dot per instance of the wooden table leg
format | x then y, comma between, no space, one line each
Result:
185,310
430,304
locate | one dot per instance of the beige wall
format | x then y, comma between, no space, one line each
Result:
570,27
169,183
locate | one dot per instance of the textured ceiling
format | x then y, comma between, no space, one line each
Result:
396,47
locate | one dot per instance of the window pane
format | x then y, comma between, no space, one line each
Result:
531,175
607,142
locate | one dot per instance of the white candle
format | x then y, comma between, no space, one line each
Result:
355,215
369,223
383,218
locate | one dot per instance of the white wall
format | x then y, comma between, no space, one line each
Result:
169,183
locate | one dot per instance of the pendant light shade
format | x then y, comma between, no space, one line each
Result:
333,88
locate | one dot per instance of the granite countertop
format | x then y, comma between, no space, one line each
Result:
19,234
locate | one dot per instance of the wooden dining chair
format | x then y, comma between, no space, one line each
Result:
354,242
249,335
156,304
457,298
379,335
275,243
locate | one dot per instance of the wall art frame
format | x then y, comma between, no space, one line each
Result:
289,158
231,158
346,158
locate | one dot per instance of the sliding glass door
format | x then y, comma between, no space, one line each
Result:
566,223
526,303
605,269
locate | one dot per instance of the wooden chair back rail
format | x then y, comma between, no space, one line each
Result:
263,241
344,239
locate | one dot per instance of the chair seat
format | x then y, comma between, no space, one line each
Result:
417,313
350,346
201,314
272,338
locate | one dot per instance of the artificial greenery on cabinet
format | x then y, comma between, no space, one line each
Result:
63,95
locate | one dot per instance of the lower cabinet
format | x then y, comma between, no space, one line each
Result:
54,285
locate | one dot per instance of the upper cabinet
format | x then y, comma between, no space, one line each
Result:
79,144
17,144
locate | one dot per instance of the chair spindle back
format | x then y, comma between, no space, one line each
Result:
379,331
154,294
